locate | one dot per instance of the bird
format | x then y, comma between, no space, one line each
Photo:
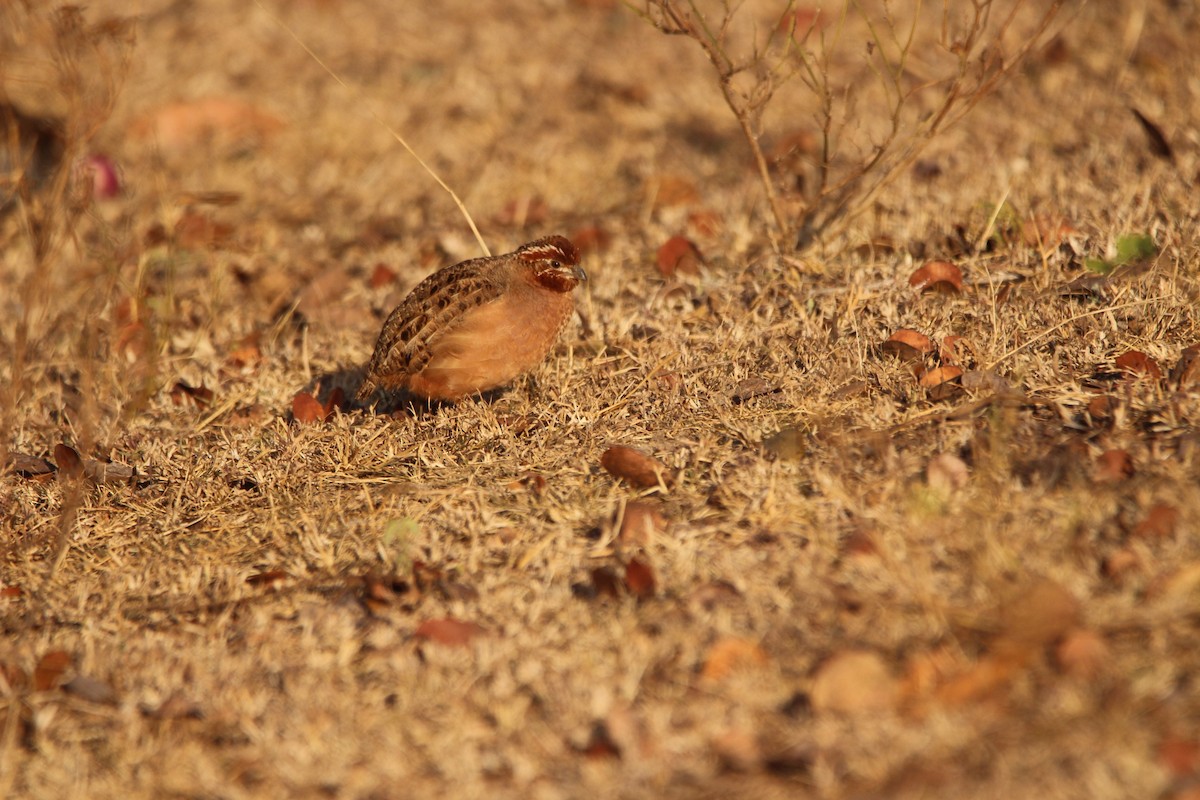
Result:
477,325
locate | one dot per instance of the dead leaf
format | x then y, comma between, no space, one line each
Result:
69,462
1186,373
268,578
705,222
381,276
956,350
639,579
10,592
986,678
732,654
1083,654
907,345
1159,145
1159,523
942,383
200,395
49,671
307,409
605,582
752,387
91,689
196,231
634,467
1113,466
531,482
941,277
675,190
679,255
947,473
29,466
1038,613
178,127
1179,756
640,524
448,631
248,351
1139,365
854,682
591,239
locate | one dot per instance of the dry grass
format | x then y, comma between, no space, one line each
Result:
298,689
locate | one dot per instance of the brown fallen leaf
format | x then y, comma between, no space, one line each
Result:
1186,372
674,190
1179,755
29,466
907,345
605,582
1137,364
1083,654
641,522
1113,466
196,231
854,682
307,409
1159,523
679,255
956,350
732,654
752,387
947,473
634,467
941,277
591,239
1038,613
177,127
639,579
448,631
91,689
942,383
247,352
9,592
69,462
381,276
49,671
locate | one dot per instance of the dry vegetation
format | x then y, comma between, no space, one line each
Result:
842,577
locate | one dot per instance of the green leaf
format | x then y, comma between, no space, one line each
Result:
1134,247
1099,265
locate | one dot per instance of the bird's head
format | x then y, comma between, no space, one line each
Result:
554,263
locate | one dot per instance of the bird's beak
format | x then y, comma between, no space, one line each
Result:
578,272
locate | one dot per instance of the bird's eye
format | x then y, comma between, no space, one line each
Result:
556,264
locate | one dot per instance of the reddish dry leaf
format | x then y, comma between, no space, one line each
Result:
1035,615
641,522
1046,230
984,679
1120,563
591,239
1139,365
956,350
600,743
639,579
267,578
195,231
1159,523
854,682
180,126
1179,756
1101,407
908,345
521,212
1082,654
381,276
859,542
8,592
69,462
1113,466
448,631
200,395
307,409
675,190
732,654
133,339
942,383
13,676
1187,372
248,351
679,255
634,467
605,582
705,222
798,22
941,277
531,482
49,671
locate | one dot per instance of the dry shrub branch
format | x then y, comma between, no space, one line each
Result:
882,80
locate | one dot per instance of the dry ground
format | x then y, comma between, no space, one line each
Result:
241,619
